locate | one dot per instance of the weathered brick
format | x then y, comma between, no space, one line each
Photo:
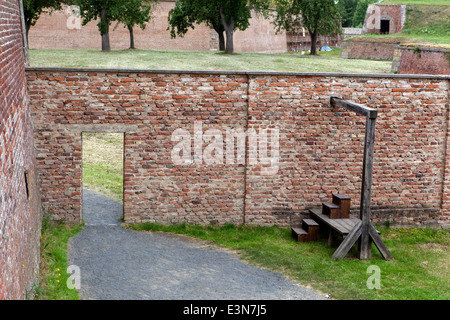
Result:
320,147
20,214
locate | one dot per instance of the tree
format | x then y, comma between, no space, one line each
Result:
360,12
106,11
186,14
135,12
32,10
221,15
346,9
316,16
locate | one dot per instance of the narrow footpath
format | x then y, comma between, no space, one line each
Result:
121,264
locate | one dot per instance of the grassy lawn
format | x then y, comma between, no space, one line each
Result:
53,266
205,60
103,163
419,271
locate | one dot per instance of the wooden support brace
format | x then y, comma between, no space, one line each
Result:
348,242
380,244
356,234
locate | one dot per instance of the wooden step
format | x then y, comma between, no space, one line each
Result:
341,226
343,202
331,210
299,234
312,228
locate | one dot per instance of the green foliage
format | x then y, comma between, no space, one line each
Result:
318,17
346,10
33,9
105,11
135,12
220,15
129,12
360,12
187,13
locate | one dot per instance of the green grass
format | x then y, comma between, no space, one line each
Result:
103,163
205,60
429,23
419,2
53,266
419,271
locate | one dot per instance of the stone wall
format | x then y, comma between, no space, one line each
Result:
369,48
422,59
62,30
320,147
20,211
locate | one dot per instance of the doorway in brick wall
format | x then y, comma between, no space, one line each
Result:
385,26
102,175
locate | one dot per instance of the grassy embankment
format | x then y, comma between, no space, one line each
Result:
426,22
205,60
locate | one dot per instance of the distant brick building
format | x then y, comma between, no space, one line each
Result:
384,19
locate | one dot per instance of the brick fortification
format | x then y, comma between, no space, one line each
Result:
20,210
59,30
320,148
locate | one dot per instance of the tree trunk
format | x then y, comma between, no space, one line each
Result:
221,41
229,30
105,31
313,35
220,29
130,29
229,46
27,27
27,30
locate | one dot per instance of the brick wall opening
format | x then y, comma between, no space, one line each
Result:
102,164
384,26
319,149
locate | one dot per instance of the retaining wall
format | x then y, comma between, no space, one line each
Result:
370,48
421,59
320,149
20,211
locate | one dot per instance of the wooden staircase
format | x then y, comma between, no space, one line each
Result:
339,208
309,231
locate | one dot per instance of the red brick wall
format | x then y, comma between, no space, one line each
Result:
51,32
320,147
369,48
424,60
20,215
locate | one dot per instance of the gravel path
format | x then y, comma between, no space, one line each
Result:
121,264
